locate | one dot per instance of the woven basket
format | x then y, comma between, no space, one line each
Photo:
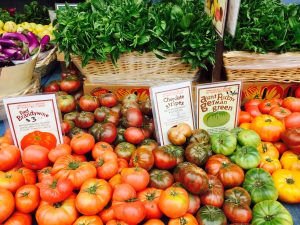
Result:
46,62
247,66
33,88
137,67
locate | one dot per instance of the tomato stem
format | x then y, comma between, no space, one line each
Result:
183,221
57,205
290,180
53,185
268,217
73,165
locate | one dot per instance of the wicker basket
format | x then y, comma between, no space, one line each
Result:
46,62
247,66
137,67
33,88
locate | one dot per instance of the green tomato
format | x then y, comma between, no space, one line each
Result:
211,215
223,143
237,130
248,138
271,212
260,185
247,157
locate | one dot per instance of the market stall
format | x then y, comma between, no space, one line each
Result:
119,127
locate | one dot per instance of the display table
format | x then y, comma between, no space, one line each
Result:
294,209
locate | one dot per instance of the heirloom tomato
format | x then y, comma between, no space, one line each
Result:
134,135
198,153
11,180
27,198
99,148
59,150
237,213
124,150
143,158
66,103
292,120
88,103
106,132
161,179
137,177
93,196
88,220
266,105
9,157
168,156
215,194
70,84
19,218
28,174
223,143
253,110
122,163
292,104
44,173
174,202
52,87
269,164
244,117
231,175
248,138
287,183
268,149
279,112
268,127
82,143
199,136
194,203
150,198
107,165
187,219
211,215
290,161
7,204
281,147
84,119
73,169
178,134
133,118
214,164
107,214
108,100
123,192
58,213
45,139
35,157
115,180
154,222
247,157
149,144
271,212
291,137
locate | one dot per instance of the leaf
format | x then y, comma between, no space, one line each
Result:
186,20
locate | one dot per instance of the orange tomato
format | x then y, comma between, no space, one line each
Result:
115,180
269,164
116,222
66,140
19,218
290,161
7,204
154,222
107,215
82,143
137,177
268,149
187,219
28,174
27,198
88,220
59,150
245,125
9,157
99,148
11,180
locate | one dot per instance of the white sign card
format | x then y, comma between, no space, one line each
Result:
218,105
232,16
171,104
63,5
33,113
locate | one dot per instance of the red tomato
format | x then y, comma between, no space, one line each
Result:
281,147
266,105
122,163
52,87
19,218
59,150
107,165
88,103
66,140
70,84
123,192
11,180
116,222
133,118
244,117
108,100
7,204
231,175
35,157
84,119
115,180
194,203
150,198
28,174
107,215
292,120
82,143
44,173
9,157
137,177
279,112
27,198
297,92
66,103
45,139
99,148
215,194
81,158
143,158
134,135
292,104
253,110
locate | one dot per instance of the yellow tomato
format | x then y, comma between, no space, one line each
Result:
290,161
268,149
10,26
287,183
1,24
39,28
245,125
269,164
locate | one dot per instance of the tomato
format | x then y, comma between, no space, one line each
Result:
269,164
287,183
45,139
168,156
7,204
245,125
123,192
88,220
75,170
223,142
237,195
178,134
9,157
154,222
149,144
58,213
297,92
231,175
215,194
108,100
124,150
137,177
55,190
129,105
19,218
161,179
35,157
106,132
198,153
194,203
134,135
291,137
268,149
237,213
81,158
266,105
150,198
187,219
292,120
88,103
107,214
142,158
107,165
99,148
70,84
244,117
292,104
100,113
44,173
122,163
214,163
279,112
66,103
148,127
116,222
11,180
82,143
211,215
115,180
281,147
66,126
59,150
93,196
290,161
85,119
28,174
27,198
52,87
174,202
253,111
268,127
66,140
133,118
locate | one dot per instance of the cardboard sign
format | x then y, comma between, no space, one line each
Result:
33,113
171,105
217,9
232,16
217,106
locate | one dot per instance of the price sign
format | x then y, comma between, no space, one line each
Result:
217,106
171,105
33,113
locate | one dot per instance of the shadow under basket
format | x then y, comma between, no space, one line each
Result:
271,67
